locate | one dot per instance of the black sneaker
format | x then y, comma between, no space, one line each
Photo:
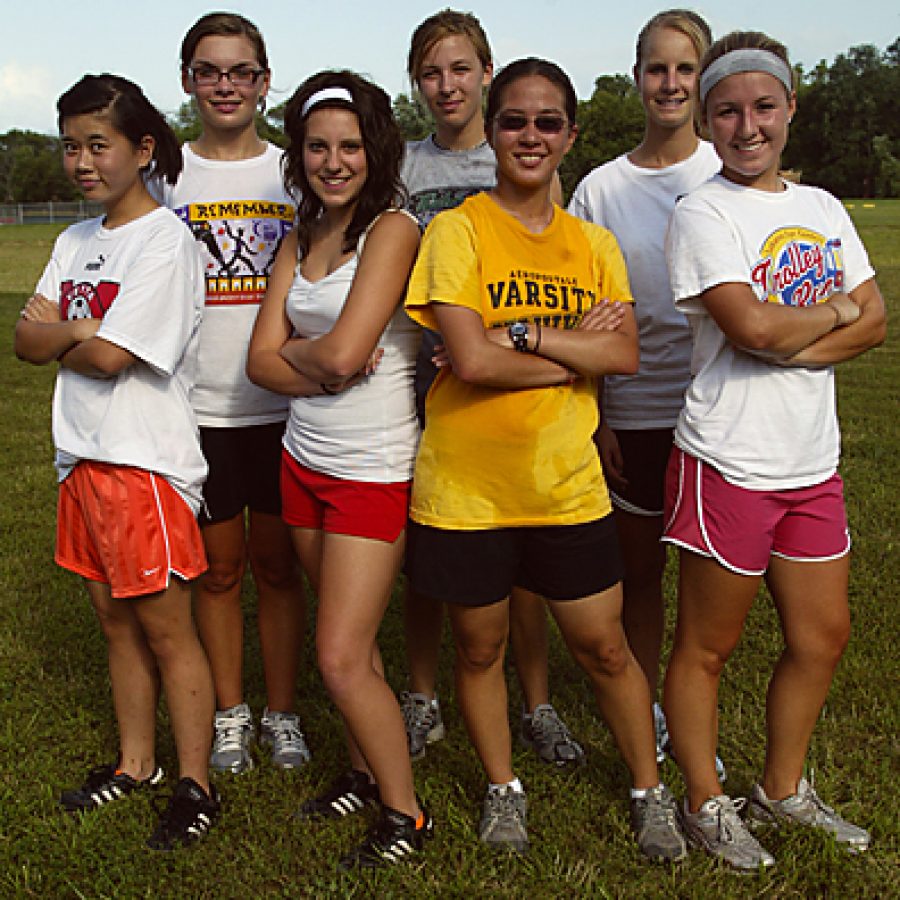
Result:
189,814
103,785
392,839
349,794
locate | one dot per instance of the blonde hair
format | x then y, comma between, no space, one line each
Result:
446,23
692,25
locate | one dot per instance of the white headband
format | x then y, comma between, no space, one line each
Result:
747,59
329,93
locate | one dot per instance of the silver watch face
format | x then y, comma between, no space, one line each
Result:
518,334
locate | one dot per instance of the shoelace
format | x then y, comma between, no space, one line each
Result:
660,808
550,726
229,732
503,804
416,713
729,823
288,735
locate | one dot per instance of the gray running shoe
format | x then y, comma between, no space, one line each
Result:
805,808
654,821
503,819
234,732
718,829
664,745
546,733
422,717
281,733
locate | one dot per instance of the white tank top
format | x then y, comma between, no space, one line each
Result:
368,432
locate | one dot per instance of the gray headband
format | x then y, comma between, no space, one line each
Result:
747,59
329,93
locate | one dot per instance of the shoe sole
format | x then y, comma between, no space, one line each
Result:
758,817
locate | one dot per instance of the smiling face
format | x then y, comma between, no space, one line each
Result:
668,79
748,116
224,106
451,80
334,157
103,163
528,156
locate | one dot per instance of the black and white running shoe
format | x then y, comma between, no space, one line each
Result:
187,817
394,838
349,794
103,785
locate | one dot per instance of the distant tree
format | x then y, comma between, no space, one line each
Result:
847,132
30,169
187,126
413,117
610,123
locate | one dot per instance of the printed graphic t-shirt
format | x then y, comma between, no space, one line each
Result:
763,426
144,281
493,458
239,212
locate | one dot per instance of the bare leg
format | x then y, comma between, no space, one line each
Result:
355,581
134,679
643,607
811,599
592,628
423,619
217,607
713,603
480,633
282,607
167,624
530,645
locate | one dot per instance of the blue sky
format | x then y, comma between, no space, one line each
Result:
49,44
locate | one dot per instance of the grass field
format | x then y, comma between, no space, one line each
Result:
56,717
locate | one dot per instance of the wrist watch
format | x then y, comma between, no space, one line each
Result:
518,334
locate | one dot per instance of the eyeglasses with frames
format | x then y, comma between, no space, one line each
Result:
545,123
239,76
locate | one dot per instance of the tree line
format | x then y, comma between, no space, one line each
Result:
845,139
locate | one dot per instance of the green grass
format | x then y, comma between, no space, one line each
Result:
56,717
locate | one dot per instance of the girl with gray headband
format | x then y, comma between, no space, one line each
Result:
777,288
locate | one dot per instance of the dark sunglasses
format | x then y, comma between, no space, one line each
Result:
545,124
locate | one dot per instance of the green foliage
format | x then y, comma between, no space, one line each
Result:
186,124
30,169
846,137
56,716
413,117
610,123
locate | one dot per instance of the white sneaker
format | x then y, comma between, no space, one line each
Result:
718,829
280,732
234,733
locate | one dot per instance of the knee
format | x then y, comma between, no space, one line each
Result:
276,571
339,665
223,575
823,645
480,655
608,657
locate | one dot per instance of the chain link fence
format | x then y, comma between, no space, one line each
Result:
51,211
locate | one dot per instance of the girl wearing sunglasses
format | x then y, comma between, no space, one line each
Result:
532,304
450,65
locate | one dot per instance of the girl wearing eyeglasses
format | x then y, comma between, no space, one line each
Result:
231,196
532,304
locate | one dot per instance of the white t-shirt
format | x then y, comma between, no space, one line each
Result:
145,281
635,204
368,432
762,426
239,212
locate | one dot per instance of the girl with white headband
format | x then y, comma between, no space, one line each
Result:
777,288
332,334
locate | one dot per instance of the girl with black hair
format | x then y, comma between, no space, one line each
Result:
333,335
118,306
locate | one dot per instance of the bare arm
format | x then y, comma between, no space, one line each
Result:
97,358
868,331
770,328
265,365
377,290
42,337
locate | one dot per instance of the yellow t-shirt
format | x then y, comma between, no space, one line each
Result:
495,458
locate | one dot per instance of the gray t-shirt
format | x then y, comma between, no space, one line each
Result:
439,179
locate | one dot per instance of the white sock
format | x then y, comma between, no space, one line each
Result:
514,785
640,793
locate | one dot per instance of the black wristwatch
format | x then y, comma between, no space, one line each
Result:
518,334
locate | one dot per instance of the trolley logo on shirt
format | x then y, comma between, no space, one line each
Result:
239,239
83,300
798,267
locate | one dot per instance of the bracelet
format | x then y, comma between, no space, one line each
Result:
839,319
540,332
327,390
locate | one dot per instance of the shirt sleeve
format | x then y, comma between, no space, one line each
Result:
159,300
447,268
702,251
